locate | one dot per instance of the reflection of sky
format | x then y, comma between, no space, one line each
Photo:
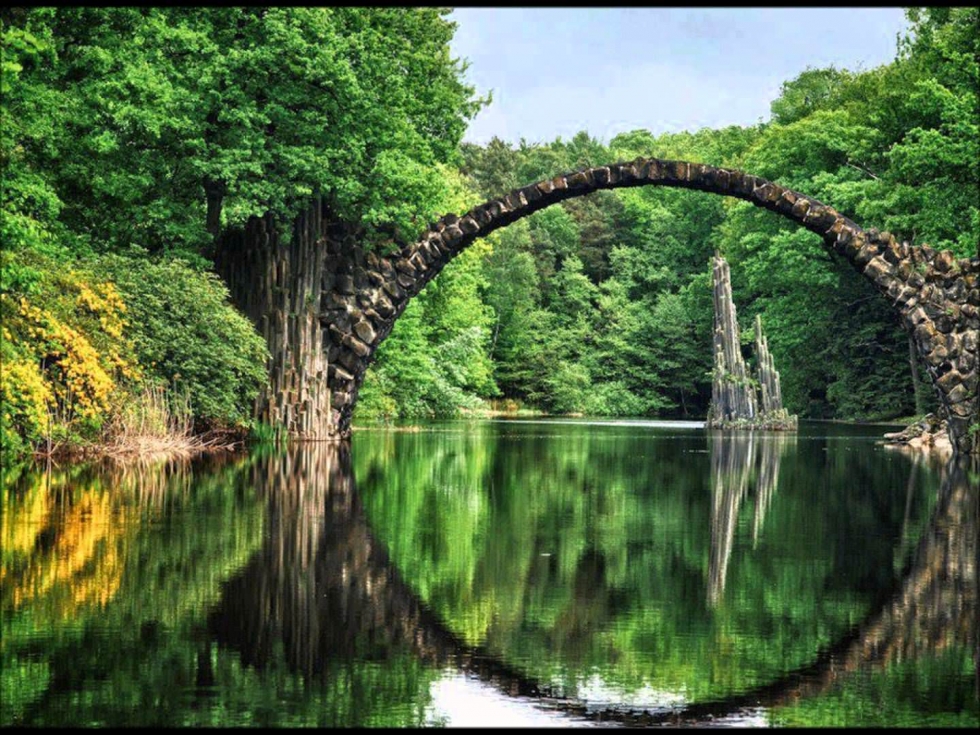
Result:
597,692
461,701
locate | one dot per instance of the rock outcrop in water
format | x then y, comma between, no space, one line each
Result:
928,433
740,399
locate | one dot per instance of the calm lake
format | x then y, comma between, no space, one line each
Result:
498,573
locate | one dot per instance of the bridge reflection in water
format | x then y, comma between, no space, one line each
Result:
323,588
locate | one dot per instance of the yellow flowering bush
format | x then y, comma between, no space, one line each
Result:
25,397
84,342
65,353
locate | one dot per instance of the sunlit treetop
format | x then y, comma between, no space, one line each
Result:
156,125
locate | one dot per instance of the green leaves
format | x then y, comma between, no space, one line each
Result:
153,107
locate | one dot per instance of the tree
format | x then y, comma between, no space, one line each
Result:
177,122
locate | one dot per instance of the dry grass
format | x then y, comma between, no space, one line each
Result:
160,424
155,424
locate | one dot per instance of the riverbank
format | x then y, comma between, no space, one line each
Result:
142,448
927,434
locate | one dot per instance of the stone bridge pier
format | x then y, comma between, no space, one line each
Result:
324,304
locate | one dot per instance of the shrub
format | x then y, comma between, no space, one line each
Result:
186,335
83,341
63,351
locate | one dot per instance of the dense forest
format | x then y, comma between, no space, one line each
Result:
132,137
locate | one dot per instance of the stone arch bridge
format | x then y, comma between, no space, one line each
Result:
324,304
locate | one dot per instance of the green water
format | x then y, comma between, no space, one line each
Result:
497,573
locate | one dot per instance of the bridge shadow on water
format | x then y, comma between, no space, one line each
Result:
323,588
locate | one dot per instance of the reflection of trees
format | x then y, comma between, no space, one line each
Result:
322,599
99,561
323,591
933,611
739,461
329,631
567,551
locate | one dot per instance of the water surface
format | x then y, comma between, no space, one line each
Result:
542,573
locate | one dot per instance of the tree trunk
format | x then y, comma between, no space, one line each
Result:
277,284
214,192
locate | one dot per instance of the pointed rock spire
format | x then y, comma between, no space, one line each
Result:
739,399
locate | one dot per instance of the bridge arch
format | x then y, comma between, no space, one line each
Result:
362,294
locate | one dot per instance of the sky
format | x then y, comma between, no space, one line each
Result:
556,71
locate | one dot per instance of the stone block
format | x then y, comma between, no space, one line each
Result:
469,225
864,255
801,207
625,173
531,194
891,254
943,261
514,201
344,284
349,360
365,331
601,176
924,334
948,381
880,271
820,218
335,372
394,290
580,181
677,171
958,395
356,346
967,362
404,266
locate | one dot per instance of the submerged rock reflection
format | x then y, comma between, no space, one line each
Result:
740,461
933,610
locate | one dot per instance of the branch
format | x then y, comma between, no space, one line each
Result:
863,170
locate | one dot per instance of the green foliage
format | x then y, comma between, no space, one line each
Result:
187,335
141,119
436,361
602,303
936,691
66,359
156,127
111,578
83,338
